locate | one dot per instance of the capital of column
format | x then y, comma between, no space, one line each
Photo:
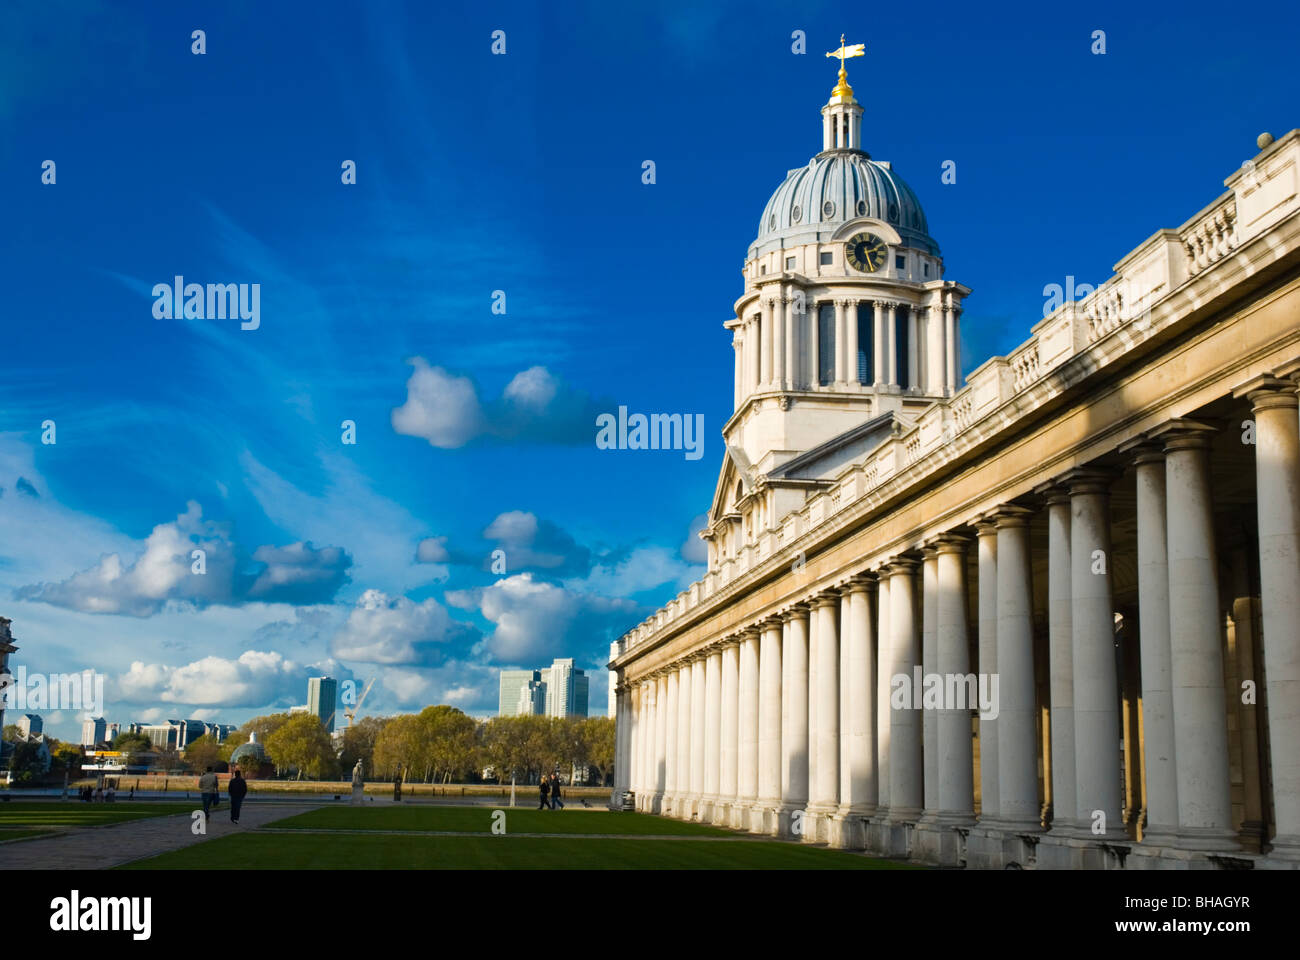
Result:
1009,515
796,611
1268,392
1052,492
903,563
1088,480
1184,434
862,583
952,543
825,598
1143,449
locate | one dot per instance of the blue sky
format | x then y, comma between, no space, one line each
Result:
475,173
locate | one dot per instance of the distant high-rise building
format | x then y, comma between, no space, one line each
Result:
516,692
114,729
567,689
322,699
30,723
6,647
559,690
92,731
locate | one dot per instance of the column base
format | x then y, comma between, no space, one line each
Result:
942,839
816,823
722,812
1208,839
997,845
704,811
789,822
848,829
764,818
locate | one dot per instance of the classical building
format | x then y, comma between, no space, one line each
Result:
1098,535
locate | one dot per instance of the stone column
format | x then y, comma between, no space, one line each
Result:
794,729
659,762
814,346
670,741
905,761
730,731
765,343
681,806
1196,653
841,374
1017,726
936,366
747,764
740,368
1277,485
929,665
698,727
826,679
649,775
634,740
913,349
852,342
1060,661
986,532
858,788
951,347
764,818
814,639
1155,652
956,764
1092,625
778,343
880,344
712,733
884,670
891,334
791,343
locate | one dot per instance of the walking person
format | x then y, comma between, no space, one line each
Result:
556,802
237,789
543,788
208,790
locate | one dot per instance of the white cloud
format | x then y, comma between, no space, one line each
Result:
165,571
536,621
643,569
442,408
398,631
256,678
432,550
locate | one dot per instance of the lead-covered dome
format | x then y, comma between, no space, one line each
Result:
837,186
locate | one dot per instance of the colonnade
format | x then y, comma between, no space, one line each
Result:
796,724
778,348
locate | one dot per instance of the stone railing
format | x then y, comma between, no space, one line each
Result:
1147,275
1211,235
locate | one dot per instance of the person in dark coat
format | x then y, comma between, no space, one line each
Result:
237,789
543,789
556,802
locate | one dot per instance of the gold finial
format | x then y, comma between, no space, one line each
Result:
842,89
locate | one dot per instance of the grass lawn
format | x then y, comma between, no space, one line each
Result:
479,820
74,813
15,833
334,851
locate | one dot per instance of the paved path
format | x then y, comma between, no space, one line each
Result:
98,848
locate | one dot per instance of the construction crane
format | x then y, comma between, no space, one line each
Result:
351,714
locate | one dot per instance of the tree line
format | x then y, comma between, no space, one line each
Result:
440,744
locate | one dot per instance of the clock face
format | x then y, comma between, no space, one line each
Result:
866,252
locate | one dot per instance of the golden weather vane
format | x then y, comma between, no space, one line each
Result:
842,89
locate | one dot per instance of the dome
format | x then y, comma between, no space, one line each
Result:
252,752
835,187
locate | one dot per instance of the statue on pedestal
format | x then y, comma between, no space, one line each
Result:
358,787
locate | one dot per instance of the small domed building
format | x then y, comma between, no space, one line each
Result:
251,759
